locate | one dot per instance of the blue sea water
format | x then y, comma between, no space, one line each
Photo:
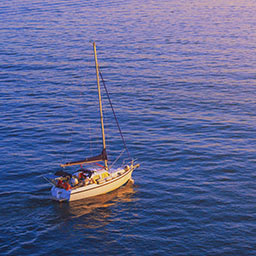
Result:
181,75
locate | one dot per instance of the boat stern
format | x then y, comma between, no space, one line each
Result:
60,194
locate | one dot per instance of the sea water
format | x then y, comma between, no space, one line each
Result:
181,76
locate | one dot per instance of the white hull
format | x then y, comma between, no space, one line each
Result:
91,190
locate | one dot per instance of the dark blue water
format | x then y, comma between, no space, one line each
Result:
181,75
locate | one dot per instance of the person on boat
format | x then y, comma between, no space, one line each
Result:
83,178
59,183
88,173
63,184
74,181
84,173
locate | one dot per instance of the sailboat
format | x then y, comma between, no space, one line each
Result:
94,181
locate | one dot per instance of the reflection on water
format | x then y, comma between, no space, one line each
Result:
95,212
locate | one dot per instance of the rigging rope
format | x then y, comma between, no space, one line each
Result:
117,158
117,123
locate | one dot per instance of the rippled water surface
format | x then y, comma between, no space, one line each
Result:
182,79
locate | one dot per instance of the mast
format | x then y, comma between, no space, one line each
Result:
100,104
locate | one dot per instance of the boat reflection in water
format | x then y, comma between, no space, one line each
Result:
95,212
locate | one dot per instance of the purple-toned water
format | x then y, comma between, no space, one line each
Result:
182,79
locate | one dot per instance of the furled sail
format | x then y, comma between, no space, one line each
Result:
93,159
